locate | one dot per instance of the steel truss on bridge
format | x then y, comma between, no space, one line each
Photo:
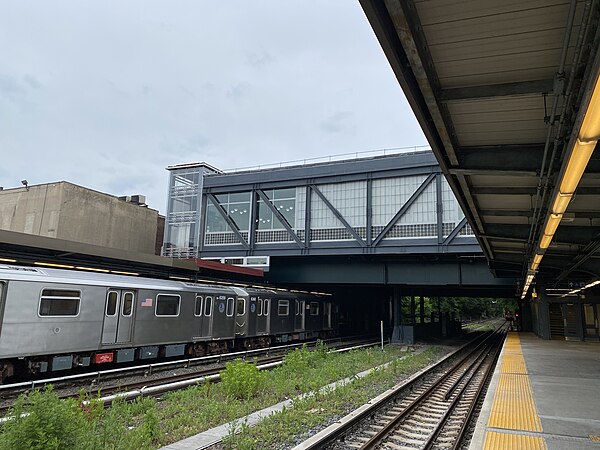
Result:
385,205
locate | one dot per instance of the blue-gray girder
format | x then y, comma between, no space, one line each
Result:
460,273
313,176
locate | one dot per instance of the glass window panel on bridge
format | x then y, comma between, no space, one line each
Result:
237,207
420,219
389,194
350,200
269,227
452,213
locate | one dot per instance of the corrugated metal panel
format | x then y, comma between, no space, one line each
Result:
490,201
486,180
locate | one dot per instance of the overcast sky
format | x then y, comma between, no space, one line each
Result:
106,94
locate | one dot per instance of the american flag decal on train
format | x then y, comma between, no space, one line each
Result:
147,302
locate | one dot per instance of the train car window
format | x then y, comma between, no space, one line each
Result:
111,303
297,307
59,302
259,308
267,307
241,306
127,308
283,308
314,308
167,305
198,306
208,306
230,303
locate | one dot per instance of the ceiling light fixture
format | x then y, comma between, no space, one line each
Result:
583,148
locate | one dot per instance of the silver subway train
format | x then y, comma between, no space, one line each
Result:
54,319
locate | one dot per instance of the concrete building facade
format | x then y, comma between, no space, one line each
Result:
67,211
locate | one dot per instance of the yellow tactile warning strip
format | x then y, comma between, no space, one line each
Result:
513,407
507,441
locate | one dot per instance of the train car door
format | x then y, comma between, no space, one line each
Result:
241,322
263,309
327,315
300,315
207,312
118,316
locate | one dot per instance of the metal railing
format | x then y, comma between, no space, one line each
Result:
332,158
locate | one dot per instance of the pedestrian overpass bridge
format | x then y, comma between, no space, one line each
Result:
381,219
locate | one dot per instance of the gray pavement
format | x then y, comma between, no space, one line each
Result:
565,379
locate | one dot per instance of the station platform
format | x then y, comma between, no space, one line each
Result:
543,395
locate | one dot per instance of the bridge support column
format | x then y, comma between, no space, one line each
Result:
397,316
402,333
422,309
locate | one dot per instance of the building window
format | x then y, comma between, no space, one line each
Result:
198,306
283,308
59,302
181,225
167,305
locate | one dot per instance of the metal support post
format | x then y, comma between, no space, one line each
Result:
397,313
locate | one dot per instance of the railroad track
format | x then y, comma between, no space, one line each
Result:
155,367
432,410
152,387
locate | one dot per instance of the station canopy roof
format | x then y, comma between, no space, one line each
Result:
501,89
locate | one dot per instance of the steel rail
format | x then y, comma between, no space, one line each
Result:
480,391
382,434
149,368
460,396
341,427
174,382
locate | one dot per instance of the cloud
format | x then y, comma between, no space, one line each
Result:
107,94
340,122
259,60
239,91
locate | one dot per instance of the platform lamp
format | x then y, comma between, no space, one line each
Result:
581,152
25,183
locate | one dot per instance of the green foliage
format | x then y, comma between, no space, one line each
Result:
284,427
303,358
242,379
43,421
470,308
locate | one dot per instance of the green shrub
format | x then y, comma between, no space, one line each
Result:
303,358
42,421
242,379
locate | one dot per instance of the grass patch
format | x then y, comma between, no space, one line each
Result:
309,412
45,422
